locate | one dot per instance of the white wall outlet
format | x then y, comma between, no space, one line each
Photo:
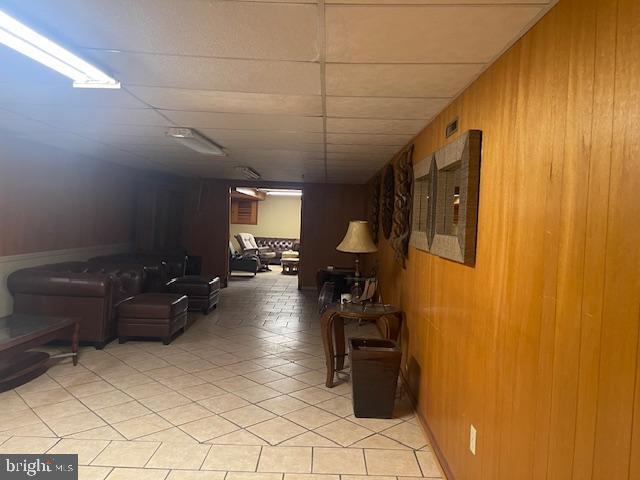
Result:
472,439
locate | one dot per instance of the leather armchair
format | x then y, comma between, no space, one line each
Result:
243,262
88,291
248,244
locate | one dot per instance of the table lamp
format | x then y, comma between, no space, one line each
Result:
357,240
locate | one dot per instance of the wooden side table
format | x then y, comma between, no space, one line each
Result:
388,318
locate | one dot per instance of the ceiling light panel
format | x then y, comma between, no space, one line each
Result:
274,31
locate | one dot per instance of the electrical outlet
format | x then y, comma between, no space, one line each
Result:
472,439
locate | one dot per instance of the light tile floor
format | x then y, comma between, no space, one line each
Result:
239,396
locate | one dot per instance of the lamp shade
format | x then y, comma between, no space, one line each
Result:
357,239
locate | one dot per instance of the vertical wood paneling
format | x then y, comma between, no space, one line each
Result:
537,346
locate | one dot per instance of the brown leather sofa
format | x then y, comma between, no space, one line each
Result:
89,291
278,245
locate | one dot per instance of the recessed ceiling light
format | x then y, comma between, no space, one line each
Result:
28,42
249,173
282,192
195,141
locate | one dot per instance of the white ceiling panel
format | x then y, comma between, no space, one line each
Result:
428,34
439,2
249,138
229,102
366,139
368,125
379,107
205,28
428,81
389,150
204,73
235,121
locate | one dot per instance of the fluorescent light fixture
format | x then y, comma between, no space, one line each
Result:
28,42
195,141
248,172
282,192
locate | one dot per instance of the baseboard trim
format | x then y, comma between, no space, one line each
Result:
427,430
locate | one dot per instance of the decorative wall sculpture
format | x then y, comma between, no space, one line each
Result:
457,171
423,210
374,208
388,194
402,210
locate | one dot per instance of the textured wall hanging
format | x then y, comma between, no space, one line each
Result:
423,209
402,207
457,170
374,208
388,193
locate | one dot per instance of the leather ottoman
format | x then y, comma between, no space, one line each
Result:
203,292
158,315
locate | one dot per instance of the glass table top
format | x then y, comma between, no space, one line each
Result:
15,327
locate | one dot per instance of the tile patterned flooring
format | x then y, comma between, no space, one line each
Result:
239,396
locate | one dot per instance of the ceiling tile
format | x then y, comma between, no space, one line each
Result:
250,138
222,74
230,102
236,121
362,149
363,139
434,34
367,125
399,80
439,2
379,107
278,31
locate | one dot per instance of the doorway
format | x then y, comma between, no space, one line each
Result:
265,230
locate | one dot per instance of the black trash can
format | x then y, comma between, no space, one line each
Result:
375,364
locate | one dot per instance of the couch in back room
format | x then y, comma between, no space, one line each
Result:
88,291
278,245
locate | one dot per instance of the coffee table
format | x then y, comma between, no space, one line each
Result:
290,266
19,334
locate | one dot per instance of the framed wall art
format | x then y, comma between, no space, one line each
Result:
423,212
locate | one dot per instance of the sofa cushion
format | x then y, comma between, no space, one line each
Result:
153,305
194,285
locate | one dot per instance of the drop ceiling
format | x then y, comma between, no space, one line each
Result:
297,90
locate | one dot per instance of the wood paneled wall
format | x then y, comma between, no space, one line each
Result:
538,345
326,211
51,200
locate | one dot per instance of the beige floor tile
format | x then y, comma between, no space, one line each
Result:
232,458
311,417
75,423
314,377
141,426
392,462
258,393
290,369
12,402
164,401
146,390
223,403
380,441
313,395
137,474
264,376
285,460
243,368
178,456
182,381
165,372
18,419
39,429
429,465
375,424
122,412
339,461
126,454
88,389
93,473
27,445
87,450
271,361
366,477
239,437
276,430
235,384
309,439
185,414
202,391
209,428
77,379
47,397
249,415
340,406
283,404
101,433
130,380
312,476
253,476
195,475
107,399
343,432
171,435
408,434
215,374
61,410
287,385
40,384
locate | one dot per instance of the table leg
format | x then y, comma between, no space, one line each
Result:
74,342
389,325
338,335
326,326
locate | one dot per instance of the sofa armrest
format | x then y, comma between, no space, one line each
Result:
36,282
